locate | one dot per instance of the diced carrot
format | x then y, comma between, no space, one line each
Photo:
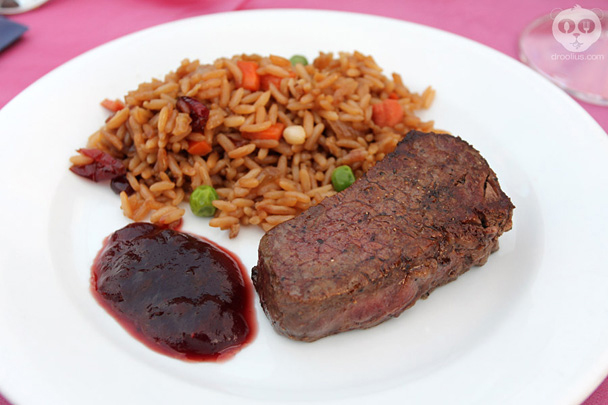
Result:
112,105
393,96
273,132
251,79
200,148
265,80
388,113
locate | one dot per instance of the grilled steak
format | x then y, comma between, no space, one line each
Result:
417,220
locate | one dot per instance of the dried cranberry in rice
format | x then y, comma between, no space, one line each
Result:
103,167
197,111
120,184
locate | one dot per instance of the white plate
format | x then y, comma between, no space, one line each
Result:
528,327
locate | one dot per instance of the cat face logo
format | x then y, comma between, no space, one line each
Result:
577,28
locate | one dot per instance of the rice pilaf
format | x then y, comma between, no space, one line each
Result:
323,116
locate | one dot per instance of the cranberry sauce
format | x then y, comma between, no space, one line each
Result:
178,294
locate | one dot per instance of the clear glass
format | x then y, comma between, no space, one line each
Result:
19,6
570,48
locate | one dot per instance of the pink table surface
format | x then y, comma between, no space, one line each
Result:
63,29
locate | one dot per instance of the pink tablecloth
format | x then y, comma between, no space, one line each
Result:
63,29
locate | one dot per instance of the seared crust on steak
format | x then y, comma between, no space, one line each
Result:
417,220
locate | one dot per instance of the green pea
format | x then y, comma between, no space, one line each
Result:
342,177
201,201
295,59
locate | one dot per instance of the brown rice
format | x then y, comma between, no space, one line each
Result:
261,182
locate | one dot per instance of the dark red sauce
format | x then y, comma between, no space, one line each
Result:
179,294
